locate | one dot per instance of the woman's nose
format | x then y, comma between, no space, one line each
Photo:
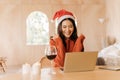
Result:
67,29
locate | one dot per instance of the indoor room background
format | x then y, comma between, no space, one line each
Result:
98,20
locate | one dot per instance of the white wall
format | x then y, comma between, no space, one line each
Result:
113,19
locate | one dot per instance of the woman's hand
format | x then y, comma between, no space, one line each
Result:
54,37
82,37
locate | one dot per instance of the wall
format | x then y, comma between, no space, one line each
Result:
113,20
13,26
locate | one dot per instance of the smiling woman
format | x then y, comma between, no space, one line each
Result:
37,28
67,39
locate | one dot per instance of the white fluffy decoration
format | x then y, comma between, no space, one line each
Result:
111,55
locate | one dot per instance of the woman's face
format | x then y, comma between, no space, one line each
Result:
67,28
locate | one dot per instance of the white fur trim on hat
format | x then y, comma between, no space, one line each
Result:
64,17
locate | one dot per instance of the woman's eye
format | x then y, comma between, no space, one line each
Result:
67,26
70,26
64,26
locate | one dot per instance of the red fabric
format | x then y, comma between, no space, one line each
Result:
71,47
60,13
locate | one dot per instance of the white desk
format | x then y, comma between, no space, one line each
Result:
97,74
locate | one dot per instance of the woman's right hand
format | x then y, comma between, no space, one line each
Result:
54,37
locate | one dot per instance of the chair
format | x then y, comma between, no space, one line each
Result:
45,63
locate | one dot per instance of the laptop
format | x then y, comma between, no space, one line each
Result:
80,61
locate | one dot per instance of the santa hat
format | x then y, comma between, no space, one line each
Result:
61,15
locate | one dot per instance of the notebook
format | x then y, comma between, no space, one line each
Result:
80,61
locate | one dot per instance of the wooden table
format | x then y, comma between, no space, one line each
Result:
97,74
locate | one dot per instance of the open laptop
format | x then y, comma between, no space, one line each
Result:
80,61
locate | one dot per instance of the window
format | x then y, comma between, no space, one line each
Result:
37,28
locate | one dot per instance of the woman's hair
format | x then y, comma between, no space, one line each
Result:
74,35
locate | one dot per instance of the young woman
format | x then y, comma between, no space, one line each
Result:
66,39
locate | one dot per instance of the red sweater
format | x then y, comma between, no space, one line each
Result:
71,46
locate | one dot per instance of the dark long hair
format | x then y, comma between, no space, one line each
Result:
74,35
